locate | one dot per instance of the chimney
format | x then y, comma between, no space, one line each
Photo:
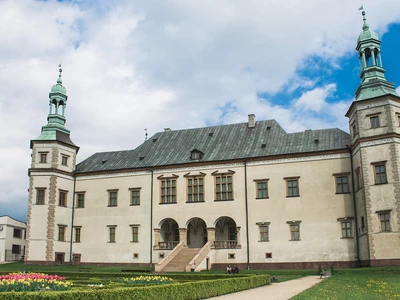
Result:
167,129
252,121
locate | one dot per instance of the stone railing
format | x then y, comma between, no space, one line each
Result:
161,265
167,245
200,256
230,244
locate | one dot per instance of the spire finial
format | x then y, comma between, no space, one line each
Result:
145,135
365,25
59,80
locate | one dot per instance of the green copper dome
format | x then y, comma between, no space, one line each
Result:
366,34
59,88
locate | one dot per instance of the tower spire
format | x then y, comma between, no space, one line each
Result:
372,74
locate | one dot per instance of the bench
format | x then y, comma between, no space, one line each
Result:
274,279
84,269
136,270
324,274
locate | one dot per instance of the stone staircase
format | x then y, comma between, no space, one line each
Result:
179,262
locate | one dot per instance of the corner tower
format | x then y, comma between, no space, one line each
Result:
51,186
374,119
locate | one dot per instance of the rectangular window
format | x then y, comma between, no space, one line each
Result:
40,192
16,249
380,174
362,222
17,233
294,227
223,187
112,234
61,232
262,189
64,160
346,229
77,234
135,233
80,201
292,187
168,191
354,130
62,201
264,233
342,184
113,198
374,121
385,221
135,196
43,158
358,178
195,189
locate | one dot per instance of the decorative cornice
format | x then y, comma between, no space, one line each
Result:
52,174
376,142
300,159
100,176
374,104
59,146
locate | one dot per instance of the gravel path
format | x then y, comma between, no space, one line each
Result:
274,291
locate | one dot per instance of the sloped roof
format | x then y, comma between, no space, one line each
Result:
218,143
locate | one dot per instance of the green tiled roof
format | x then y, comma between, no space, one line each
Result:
217,143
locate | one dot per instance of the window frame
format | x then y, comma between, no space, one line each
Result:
384,224
14,247
63,198
262,189
294,230
290,188
357,172
263,236
379,175
112,201
168,189
134,233
80,201
77,234
339,185
17,236
346,232
374,121
43,157
133,196
62,230
64,159
40,199
195,190
112,233
223,186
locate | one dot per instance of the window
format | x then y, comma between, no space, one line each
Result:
168,191
61,232
268,255
16,249
112,197
346,229
112,230
262,188
195,189
342,183
380,173
135,233
195,155
17,233
64,160
43,158
384,218
354,130
358,178
40,196
292,187
374,121
232,233
264,233
294,230
78,234
135,196
62,201
80,201
362,222
223,187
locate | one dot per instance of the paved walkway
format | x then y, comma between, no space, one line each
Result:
274,291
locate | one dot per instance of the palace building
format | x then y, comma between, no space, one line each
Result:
247,194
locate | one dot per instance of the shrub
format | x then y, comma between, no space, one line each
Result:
19,282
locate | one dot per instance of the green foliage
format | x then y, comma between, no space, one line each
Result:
146,280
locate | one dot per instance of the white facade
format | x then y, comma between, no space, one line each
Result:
12,239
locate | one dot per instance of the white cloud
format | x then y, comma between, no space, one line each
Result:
130,65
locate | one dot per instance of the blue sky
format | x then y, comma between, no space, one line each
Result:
130,65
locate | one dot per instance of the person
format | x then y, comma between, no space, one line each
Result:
228,269
236,270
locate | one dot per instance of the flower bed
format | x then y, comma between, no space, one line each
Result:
20,282
147,280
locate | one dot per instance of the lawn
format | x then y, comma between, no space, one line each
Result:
363,284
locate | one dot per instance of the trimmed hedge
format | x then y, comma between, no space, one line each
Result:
179,291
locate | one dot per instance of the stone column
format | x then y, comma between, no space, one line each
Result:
364,60
157,237
183,236
238,235
373,56
211,234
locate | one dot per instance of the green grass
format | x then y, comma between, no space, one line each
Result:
363,284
